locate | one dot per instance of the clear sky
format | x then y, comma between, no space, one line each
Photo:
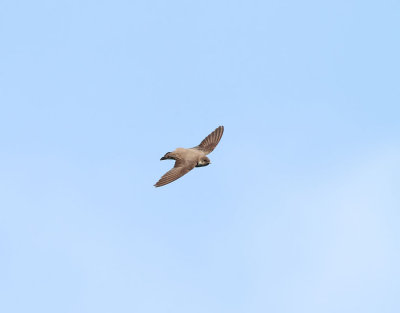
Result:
299,210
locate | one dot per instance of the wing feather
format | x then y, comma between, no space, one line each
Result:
211,141
181,168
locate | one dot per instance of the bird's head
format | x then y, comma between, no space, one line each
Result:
204,161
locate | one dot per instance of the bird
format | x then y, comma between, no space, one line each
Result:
188,159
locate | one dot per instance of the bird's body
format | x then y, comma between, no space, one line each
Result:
187,159
189,155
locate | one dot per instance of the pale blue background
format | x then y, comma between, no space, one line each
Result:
299,210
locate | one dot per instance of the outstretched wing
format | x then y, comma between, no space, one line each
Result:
181,168
210,142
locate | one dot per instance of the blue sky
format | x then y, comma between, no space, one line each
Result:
299,210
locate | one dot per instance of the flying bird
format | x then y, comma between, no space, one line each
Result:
188,159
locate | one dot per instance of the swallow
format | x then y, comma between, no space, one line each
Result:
188,159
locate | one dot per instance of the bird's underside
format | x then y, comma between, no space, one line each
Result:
187,159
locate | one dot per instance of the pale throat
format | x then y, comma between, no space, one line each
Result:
200,164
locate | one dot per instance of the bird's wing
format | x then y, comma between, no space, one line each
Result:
181,168
210,142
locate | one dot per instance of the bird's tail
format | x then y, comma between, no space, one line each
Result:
167,156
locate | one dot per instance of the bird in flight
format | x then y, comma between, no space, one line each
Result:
188,159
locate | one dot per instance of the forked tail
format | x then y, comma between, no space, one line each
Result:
167,156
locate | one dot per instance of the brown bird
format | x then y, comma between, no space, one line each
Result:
188,159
